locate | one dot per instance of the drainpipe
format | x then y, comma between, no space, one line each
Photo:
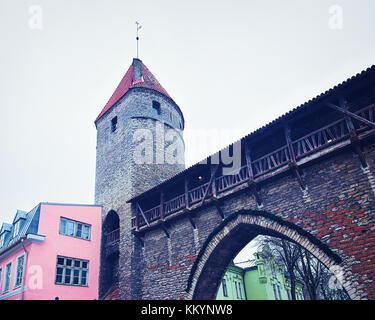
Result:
24,267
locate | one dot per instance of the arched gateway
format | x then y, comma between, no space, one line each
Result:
308,176
233,233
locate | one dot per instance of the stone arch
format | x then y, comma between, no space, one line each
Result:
111,222
233,233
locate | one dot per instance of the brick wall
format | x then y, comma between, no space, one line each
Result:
336,211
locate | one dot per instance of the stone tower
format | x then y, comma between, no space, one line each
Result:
139,145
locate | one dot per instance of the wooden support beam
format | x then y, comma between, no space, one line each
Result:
186,185
362,158
220,211
248,162
288,139
252,185
139,236
212,180
350,114
298,175
253,188
142,242
213,184
192,221
165,229
143,215
353,134
162,205
293,162
136,217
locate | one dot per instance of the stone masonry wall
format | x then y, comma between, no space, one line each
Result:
337,208
118,177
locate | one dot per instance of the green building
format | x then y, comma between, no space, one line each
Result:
257,279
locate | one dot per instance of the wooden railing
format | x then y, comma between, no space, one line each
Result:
271,161
367,113
174,204
302,147
197,194
112,237
318,139
229,181
151,215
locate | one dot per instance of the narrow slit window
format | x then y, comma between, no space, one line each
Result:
155,107
114,124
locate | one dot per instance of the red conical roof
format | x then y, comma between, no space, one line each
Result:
137,76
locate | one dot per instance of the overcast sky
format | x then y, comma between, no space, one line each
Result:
231,66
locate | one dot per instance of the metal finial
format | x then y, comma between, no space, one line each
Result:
138,27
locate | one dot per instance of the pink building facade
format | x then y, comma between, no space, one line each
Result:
51,252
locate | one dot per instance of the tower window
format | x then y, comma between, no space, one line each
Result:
114,124
155,107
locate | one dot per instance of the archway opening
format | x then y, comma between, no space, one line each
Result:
111,228
270,268
233,234
110,253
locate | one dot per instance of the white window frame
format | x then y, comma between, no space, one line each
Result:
16,228
279,291
15,285
2,239
4,289
75,228
72,268
274,291
236,284
240,290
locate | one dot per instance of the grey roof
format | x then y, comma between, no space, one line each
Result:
28,226
5,227
20,215
246,264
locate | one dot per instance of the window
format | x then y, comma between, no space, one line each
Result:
74,229
274,291
155,107
273,270
2,239
225,290
239,290
16,228
289,294
19,271
114,124
86,232
8,269
71,271
235,284
278,290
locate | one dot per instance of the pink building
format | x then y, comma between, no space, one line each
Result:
51,252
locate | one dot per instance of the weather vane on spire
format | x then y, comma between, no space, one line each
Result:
138,27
